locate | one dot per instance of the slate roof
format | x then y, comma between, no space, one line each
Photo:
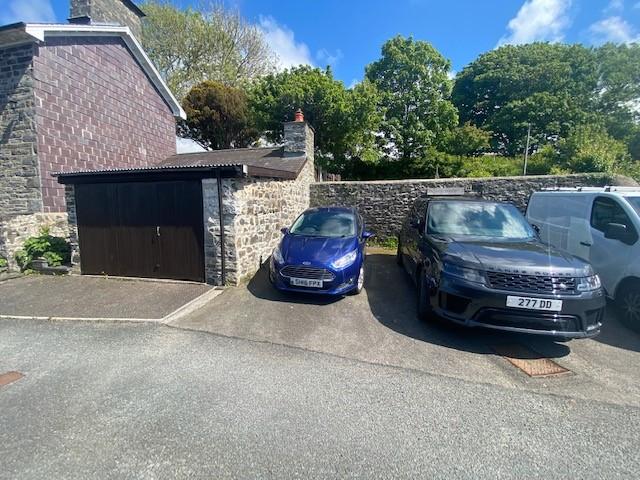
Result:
261,162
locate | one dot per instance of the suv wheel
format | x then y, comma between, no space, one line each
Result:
399,253
629,304
424,307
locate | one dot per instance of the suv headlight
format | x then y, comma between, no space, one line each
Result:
468,274
345,260
588,284
277,255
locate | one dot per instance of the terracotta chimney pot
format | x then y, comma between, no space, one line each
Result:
299,116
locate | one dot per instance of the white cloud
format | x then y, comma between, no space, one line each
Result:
353,83
614,6
27,11
452,74
282,41
613,29
327,58
538,20
187,145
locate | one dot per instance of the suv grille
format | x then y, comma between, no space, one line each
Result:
312,273
532,283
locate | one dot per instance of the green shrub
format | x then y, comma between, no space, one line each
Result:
3,263
55,250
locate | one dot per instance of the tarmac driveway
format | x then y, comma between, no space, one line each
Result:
76,296
380,326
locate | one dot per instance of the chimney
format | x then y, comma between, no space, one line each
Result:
298,137
108,12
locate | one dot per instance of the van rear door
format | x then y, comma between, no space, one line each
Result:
563,221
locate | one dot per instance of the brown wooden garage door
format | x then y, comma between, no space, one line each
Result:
141,229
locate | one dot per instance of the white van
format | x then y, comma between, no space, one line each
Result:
600,225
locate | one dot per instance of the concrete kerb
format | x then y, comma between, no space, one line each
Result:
171,317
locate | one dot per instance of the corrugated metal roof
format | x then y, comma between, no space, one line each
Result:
153,168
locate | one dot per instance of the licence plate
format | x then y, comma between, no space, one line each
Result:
534,303
306,282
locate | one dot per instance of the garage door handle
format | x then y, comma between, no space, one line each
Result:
585,244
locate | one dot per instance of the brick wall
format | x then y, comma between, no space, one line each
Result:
19,168
96,109
107,11
385,204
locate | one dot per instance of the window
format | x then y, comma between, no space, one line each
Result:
607,210
477,219
635,203
558,209
323,223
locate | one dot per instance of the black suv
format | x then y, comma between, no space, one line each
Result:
479,263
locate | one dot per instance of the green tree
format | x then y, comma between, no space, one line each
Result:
589,148
218,116
344,121
412,77
190,46
550,86
466,140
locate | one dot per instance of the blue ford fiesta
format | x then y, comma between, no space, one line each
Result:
322,252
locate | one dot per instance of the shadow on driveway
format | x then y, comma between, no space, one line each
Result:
260,287
392,298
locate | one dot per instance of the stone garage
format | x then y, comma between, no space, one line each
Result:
209,217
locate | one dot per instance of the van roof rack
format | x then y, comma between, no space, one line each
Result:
606,188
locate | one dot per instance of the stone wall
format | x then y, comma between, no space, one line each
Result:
96,109
254,211
16,229
385,204
108,11
19,168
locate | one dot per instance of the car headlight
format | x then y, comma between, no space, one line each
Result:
345,260
588,284
468,274
277,255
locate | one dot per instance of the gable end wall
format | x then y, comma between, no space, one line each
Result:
19,168
96,109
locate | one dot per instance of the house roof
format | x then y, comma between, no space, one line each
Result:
260,162
255,162
18,33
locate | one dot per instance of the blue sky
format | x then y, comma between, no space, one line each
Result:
348,34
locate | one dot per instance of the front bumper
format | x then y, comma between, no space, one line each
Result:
344,281
475,305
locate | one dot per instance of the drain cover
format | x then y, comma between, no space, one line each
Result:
530,362
9,377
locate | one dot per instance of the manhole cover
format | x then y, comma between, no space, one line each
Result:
9,377
530,362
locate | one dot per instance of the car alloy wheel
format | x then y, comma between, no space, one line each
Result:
424,308
631,307
360,281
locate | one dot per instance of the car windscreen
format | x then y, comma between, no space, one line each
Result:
635,203
324,223
477,219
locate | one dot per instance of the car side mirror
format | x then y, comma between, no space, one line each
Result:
367,235
284,230
616,231
417,224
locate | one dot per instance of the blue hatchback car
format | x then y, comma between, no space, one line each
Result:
322,252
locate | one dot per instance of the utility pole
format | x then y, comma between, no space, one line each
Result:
526,151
